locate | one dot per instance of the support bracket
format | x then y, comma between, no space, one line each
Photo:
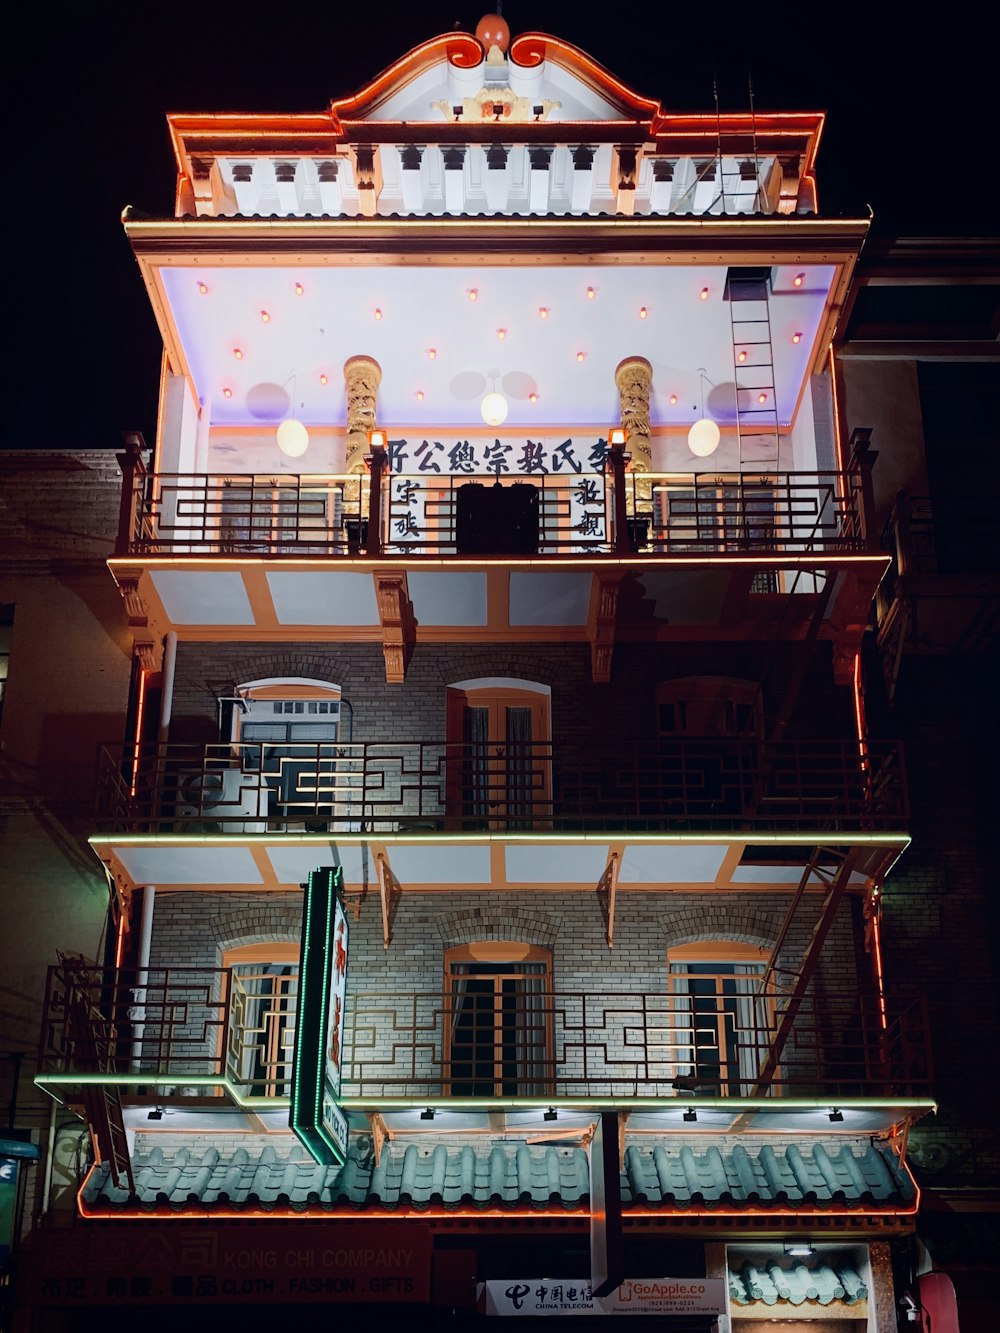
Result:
390,891
607,890
395,612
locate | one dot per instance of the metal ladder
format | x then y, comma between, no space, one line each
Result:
753,376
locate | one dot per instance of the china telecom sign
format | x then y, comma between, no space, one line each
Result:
636,1296
316,1116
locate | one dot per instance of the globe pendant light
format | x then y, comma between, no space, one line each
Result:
494,409
704,435
292,436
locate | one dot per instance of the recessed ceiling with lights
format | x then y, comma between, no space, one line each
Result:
265,343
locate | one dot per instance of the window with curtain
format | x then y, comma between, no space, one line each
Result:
499,770
722,1027
498,1013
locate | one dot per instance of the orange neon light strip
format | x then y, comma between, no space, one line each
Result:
140,708
877,948
120,945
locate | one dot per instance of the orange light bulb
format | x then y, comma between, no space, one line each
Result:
798,280
265,317
796,337
742,356
431,353
227,393
673,400
543,312
501,334
324,379
643,312
299,289
580,356
238,353
532,397
704,293
472,294
590,293
762,398
420,395
203,288
378,313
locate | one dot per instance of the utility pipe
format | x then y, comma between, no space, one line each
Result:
137,1010
167,692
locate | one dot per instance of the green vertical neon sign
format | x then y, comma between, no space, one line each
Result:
315,1115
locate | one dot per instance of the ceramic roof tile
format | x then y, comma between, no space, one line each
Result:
510,1176
797,1282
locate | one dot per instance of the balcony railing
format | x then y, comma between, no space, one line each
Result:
384,786
212,1023
925,539
415,514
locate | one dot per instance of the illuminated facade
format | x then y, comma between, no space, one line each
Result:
504,544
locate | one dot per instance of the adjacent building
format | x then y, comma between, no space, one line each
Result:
501,575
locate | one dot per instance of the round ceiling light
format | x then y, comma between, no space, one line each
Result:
494,409
293,438
704,437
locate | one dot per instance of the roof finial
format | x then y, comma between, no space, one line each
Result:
492,31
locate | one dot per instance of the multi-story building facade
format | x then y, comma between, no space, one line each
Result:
504,546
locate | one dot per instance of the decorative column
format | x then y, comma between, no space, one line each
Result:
634,378
362,376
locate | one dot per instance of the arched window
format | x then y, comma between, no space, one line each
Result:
264,987
290,731
499,753
498,1017
722,1025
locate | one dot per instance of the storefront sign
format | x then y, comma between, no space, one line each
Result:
662,1296
497,457
152,1263
316,1116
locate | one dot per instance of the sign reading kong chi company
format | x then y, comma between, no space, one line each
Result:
573,1296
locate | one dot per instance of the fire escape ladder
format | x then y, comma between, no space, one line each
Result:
93,1036
753,365
833,868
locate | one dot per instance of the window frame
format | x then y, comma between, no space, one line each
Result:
500,953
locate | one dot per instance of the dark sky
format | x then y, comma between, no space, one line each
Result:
911,132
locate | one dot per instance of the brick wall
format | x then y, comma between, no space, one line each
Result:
942,912
581,710
193,930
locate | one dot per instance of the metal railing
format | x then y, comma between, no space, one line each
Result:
459,514
527,1042
945,537
435,785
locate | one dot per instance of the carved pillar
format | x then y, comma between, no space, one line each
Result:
362,376
634,378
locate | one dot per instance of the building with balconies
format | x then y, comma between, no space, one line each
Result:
500,571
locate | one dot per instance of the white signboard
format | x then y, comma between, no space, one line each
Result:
636,1296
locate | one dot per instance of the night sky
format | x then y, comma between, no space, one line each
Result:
911,132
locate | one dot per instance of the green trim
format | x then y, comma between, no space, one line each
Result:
306,1116
46,1082
721,838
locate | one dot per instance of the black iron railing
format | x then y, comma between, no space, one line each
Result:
181,1024
383,786
452,515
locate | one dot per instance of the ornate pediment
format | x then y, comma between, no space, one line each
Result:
455,78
